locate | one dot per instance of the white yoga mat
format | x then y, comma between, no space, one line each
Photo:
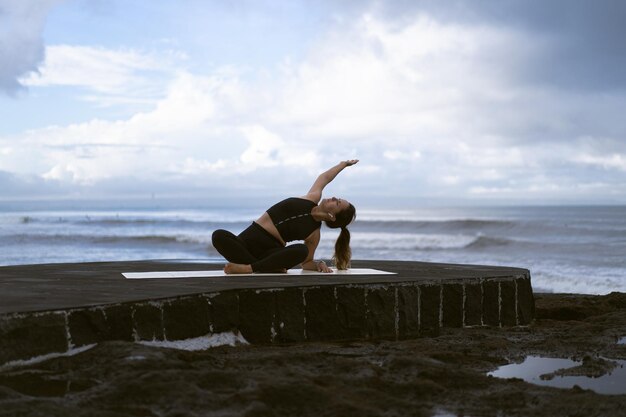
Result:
220,273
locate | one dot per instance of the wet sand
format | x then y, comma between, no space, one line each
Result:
438,376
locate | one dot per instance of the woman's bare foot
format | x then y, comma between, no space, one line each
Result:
232,268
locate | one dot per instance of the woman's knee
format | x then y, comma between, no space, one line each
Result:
220,236
300,250
222,240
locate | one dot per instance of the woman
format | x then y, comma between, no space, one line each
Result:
262,247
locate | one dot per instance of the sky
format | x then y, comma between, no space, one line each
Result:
453,101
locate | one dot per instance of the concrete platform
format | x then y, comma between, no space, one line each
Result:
58,307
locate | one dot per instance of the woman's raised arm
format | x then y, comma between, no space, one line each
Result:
325,178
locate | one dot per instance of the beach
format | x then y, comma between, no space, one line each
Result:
574,255
569,249
428,376
334,208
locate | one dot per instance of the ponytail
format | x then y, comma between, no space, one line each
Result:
343,253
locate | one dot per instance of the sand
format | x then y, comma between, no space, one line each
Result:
439,376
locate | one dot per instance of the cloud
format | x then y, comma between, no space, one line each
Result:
99,149
94,67
21,44
612,161
28,186
397,155
194,130
430,103
578,45
422,81
108,76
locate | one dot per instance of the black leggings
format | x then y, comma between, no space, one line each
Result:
256,247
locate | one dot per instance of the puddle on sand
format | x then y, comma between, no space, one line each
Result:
613,382
40,384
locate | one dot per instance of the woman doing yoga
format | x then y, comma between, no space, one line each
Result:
262,247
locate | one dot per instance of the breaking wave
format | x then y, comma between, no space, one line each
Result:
425,242
150,240
564,247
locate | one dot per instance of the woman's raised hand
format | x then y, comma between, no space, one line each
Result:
315,193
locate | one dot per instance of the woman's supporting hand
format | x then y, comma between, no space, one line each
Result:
322,267
319,266
350,162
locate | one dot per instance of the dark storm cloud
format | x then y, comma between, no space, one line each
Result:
578,44
585,41
21,42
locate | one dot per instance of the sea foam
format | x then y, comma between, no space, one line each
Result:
200,343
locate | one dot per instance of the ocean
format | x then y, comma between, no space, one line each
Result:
574,249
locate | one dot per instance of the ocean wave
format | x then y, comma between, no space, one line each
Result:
161,223
139,240
482,242
530,229
408,241
168,222
123,219
425,242
533,230
364,240
461,224
154,239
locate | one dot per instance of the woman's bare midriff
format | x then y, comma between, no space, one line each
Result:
266,222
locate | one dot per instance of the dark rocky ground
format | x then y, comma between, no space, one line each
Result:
438,376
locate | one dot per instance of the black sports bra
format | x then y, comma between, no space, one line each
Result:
292,218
